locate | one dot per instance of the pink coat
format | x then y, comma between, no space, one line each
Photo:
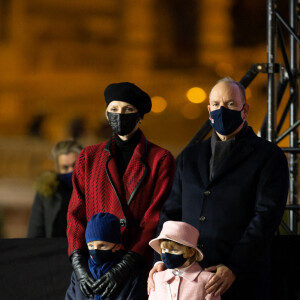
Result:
189,286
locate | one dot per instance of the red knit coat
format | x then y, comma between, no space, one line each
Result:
136,200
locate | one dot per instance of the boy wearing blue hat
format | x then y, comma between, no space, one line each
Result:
103,238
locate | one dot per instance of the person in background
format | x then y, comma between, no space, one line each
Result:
127,176
183,279
53,192
233,188
103,238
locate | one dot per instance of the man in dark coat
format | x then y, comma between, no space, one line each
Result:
53,192
233,188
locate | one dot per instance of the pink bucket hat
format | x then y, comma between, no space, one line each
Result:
179,232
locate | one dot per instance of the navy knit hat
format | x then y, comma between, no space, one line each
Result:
103,227
130,93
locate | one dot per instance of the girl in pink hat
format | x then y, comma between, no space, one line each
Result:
183,278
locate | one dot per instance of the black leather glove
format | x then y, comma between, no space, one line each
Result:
112,281
79,261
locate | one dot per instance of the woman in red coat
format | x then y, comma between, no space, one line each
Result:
127,176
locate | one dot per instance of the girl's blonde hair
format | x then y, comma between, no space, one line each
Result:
186,249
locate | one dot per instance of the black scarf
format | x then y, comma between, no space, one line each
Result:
220,150
125,151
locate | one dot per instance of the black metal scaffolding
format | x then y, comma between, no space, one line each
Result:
277,26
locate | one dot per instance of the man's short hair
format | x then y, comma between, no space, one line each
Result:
232,81
65,147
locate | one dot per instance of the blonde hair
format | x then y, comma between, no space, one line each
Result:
65,147
186,249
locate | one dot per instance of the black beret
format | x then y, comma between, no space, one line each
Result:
130,93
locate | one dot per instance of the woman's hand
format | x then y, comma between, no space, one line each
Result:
158,267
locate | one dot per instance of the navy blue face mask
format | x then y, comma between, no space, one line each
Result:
225,121
173,261
101,257
122,124
66,179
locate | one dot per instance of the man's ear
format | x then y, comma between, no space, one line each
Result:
56,162
246,111
208,108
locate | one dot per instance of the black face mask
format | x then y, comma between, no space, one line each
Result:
66,179
122,124
101,257
226,121
173,261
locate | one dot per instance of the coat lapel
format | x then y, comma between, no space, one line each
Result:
166,275
239,152
203,161
136,170
112,170
192,272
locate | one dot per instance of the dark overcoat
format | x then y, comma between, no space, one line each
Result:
237,211
48,216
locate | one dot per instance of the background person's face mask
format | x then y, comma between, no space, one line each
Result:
122,124
225,121
66,179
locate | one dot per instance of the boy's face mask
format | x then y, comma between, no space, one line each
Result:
173,261
102,256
